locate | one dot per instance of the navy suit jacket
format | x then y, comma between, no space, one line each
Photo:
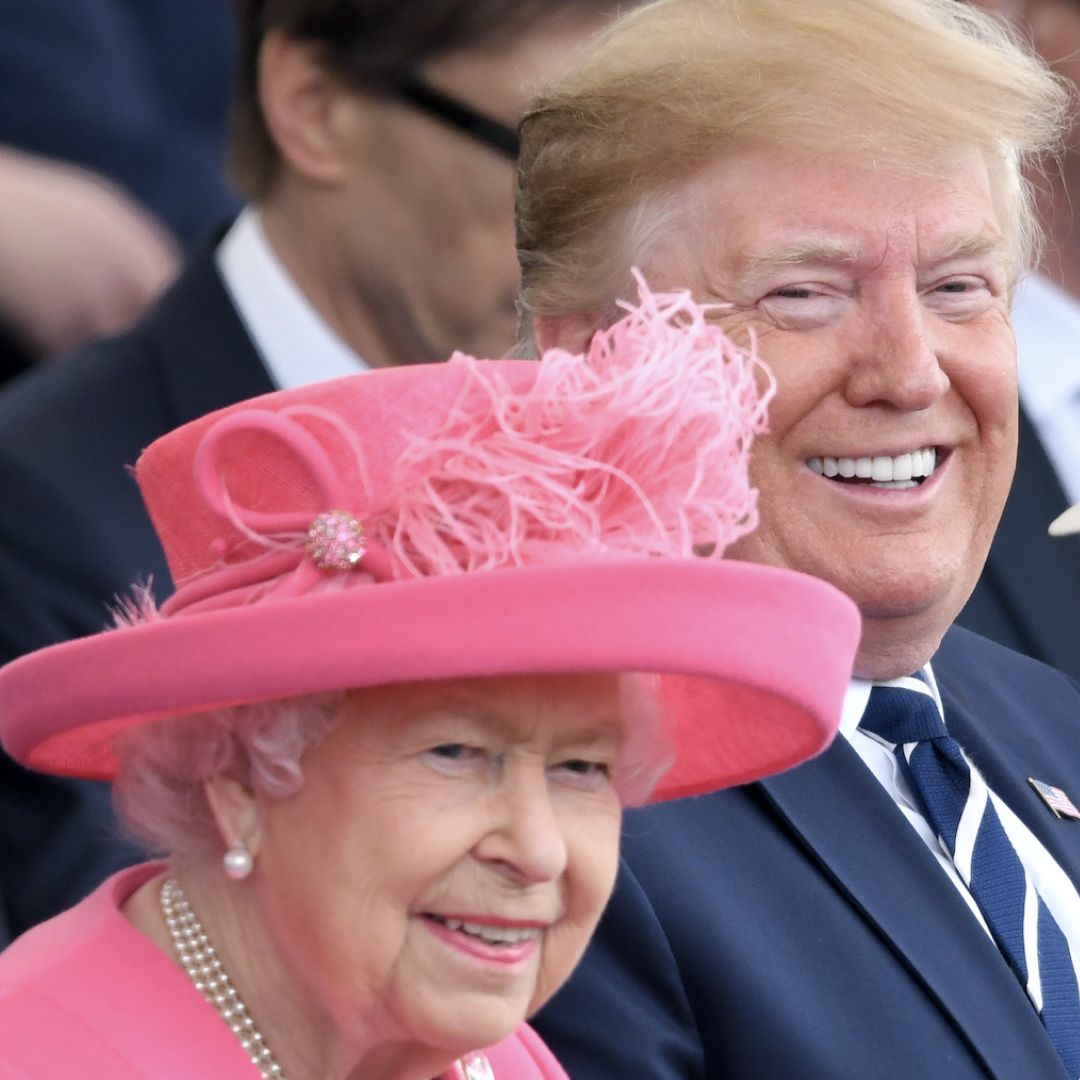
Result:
74,535
1028,597
799,928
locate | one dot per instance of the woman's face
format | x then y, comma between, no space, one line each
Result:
442,869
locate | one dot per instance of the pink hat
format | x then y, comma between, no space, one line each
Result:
469,519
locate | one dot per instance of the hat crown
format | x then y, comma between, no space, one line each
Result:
640,446
362,423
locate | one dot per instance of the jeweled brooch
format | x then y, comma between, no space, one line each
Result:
336,541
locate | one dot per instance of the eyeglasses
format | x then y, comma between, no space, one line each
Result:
493,133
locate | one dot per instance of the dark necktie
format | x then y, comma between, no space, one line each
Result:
956,803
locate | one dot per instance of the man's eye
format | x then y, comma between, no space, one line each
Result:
962,297
801,307
962,286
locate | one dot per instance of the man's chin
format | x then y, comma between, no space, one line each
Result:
899,639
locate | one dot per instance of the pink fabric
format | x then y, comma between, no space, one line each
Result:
86,995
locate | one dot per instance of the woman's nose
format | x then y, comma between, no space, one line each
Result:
526,836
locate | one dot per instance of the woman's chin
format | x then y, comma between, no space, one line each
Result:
467,1021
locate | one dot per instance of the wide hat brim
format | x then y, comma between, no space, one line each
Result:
754,660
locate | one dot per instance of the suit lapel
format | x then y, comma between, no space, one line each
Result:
1009,746
851,827
1043,602
204,353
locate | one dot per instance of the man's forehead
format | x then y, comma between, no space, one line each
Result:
789,206
840,249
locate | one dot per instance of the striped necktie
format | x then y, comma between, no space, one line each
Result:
955,801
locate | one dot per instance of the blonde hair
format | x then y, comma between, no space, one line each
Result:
676,83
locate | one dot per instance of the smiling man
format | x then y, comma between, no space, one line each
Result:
893,435
843,178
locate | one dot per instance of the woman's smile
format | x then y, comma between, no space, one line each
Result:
491,942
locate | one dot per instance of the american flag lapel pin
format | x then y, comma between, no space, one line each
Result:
1060,804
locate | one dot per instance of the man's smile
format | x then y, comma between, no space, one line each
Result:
905,470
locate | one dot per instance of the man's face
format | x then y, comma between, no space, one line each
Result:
880,303
427,231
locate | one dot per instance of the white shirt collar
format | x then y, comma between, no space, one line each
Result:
1047,324
857,696
295,343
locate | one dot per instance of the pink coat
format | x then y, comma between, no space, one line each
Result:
87,995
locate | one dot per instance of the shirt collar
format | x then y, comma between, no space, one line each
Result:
857,696
1047,324
296,345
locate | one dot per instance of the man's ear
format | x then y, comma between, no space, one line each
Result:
312,116
235,810
570,332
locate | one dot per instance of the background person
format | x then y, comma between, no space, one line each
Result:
113,123
79,258
1028,593
379,233
845,175
389,872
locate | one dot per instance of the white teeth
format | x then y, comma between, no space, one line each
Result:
495,935
900,471
882,469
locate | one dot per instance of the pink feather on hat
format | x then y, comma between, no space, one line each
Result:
639,447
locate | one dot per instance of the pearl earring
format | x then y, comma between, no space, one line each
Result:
237,861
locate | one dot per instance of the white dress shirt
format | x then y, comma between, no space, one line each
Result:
1047,324
293,340
1052,883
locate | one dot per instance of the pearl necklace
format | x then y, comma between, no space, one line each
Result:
200,960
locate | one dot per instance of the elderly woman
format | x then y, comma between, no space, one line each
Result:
435,625
846,178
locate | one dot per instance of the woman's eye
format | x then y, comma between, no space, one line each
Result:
456,757
584,772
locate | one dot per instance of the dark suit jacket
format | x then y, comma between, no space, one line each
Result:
1029,595
74,535
799,928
